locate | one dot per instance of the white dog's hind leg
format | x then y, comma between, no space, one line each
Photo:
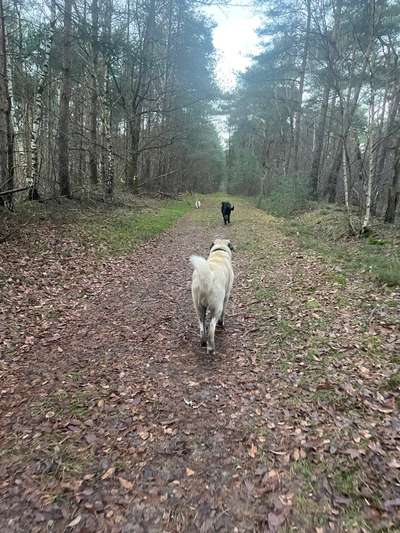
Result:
211,334
221,321
201,313
215,317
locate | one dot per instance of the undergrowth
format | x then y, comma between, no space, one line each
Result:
288,195
325,231
109,229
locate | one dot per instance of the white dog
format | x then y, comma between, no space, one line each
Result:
198,204
211,287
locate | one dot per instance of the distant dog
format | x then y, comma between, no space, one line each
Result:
198,204
226,209
211,287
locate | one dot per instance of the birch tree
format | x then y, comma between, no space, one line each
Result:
100,91
6,136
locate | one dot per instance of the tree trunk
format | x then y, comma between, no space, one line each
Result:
301,89
137,100
320,135
6,135
108,156
64,121
371,162
32,166
346,184
11,121
394,192
93,150
387,133
108,172
132,165
330,187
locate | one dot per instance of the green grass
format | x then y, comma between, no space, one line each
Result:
61,404
123,229
324,231
347,482
109,230
311,510
309,513
393,382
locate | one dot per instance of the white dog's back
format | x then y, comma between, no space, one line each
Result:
202,283
211,285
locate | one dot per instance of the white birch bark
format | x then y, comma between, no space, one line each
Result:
371,161
346,186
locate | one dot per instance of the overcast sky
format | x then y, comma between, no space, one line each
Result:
235,39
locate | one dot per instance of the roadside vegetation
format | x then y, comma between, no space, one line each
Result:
108,230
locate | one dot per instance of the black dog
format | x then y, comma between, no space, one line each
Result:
226,209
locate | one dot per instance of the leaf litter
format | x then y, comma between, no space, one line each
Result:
113,415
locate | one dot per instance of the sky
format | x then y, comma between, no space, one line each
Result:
235,39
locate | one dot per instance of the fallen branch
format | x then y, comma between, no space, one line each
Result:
12,191
167,195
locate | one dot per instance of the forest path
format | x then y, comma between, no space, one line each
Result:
115,419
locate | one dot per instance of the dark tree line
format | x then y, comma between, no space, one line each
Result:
320,105
104,96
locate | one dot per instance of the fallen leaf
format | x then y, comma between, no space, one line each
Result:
144,435
108,473
72,485
125,483
75,521
253,451
275,520
353,452
189,472
271,481
90,438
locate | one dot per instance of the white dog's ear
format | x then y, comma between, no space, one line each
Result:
231,246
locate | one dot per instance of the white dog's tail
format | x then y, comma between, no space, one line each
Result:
201,266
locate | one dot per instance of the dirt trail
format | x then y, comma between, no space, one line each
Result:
115,419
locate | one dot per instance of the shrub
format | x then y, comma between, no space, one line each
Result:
289,194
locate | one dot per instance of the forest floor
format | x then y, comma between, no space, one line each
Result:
113,418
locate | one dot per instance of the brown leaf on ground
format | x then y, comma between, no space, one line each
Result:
109,473
295,418
125,483
253,451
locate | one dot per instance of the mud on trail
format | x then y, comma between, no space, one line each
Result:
113,418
